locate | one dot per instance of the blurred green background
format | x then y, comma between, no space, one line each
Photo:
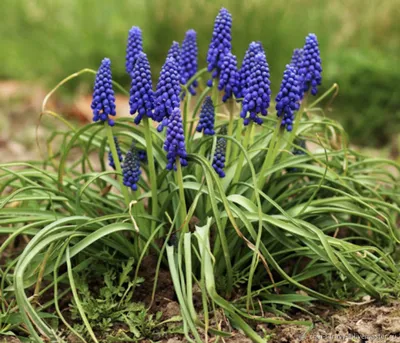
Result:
46,40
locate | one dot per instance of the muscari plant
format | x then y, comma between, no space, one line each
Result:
218,197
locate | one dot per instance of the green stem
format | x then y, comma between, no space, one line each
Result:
323,96
152,170
182,201
230,131
238,135
297,122
114,153
269,159
241,157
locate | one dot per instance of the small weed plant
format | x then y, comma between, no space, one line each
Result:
253,199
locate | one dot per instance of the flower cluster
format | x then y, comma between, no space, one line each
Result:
207,117
167,92
174,143
257,98
229,79
310,67
287,100
220,43
131,168
111,162
248,64
219,157
141,99
133,48
174,52
103,102
188,60
297,58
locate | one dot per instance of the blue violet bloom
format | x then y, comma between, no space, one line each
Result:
219,157
229,79
133,48
220,43
297,58
310,68
174,143
188,60
167,93
258,94
289,96
141,95
207,118
103,102
248,64
174,52
131,168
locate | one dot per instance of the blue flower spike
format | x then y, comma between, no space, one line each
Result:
297,58
220,43
310,67
111,162
229,79
174,143
258,94
288,98
174,52
103,102
188,60
207,118
248,64
167,93
219,157
141,95
131,168
133,48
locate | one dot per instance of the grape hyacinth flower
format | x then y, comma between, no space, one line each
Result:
229,79
188,60
289,96
110,156
248,64
297,58
133,48
174,52
141,99
220,43
142,155
257,98
174,143
207,117
167,93
103,103
219,157
131,168
310,67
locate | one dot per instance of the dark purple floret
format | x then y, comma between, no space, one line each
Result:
174,52
133,48
188,61
131,168
310,68
219,157
248,63
289,96
167,93
141,99
229,79
297,58
257,98
220,43
142,155
103,103
110,156
207,117
174,143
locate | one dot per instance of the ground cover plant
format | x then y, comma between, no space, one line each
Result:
250,203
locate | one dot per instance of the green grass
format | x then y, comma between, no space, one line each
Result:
359,44
324,223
